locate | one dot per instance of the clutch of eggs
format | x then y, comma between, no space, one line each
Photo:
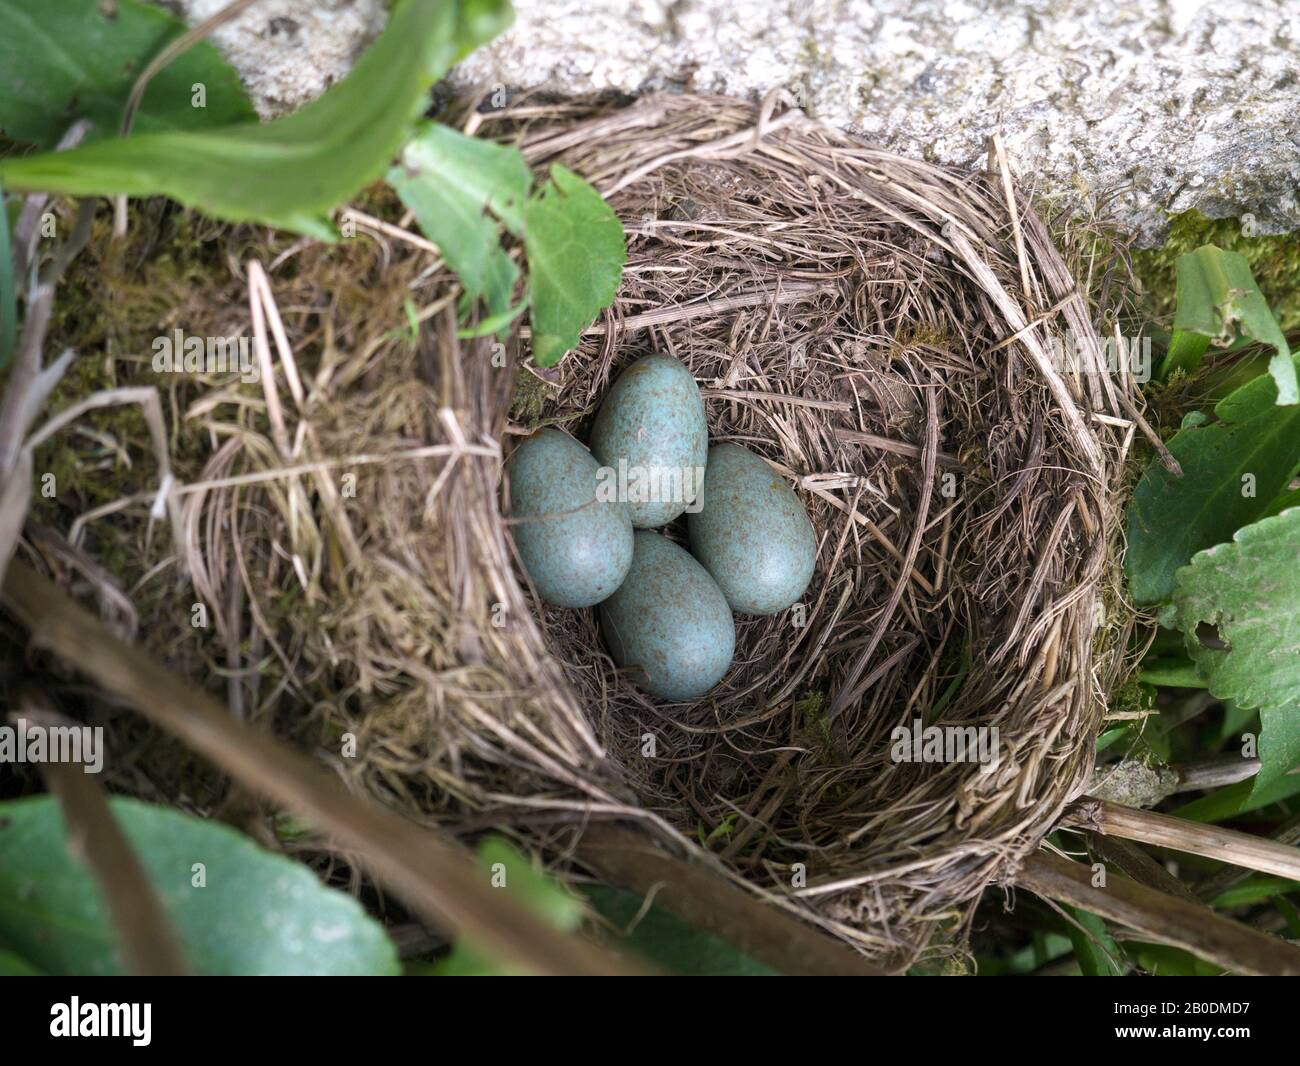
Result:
665,612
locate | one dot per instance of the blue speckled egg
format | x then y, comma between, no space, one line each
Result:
752,534
575,547
650,433
669,622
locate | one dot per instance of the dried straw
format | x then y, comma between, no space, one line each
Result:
882,331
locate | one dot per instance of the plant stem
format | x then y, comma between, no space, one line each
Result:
1161,918
145,937
705,899
1166,831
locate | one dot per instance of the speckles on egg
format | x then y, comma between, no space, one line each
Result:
752,533
669,622
651,431
575,547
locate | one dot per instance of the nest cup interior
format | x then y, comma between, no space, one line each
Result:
810,285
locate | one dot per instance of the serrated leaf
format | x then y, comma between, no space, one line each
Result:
1218,298
75,59
1172,518
675,945
259,913
1250,590
451,182
576,251
293,171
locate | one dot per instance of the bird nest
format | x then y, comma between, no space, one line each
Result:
901,341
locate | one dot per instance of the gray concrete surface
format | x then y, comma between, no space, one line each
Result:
1150,107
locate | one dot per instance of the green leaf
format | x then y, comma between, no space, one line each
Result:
293,171
1041,950
1291,916
1235,721
1279,744
450,182
490,176
1097,953
477,22
12,965
1272,259
462,190
495,323
676,946
507,870
1185,352
78,59
1289,498
576,253
259,913
1170,962
1170,519
1173,673
1217,297
1114,735
1241,798
1255,889
1250,590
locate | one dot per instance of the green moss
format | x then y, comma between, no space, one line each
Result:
809,708
1275,262
810,711
114,299
178,270
529,399
1133,697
